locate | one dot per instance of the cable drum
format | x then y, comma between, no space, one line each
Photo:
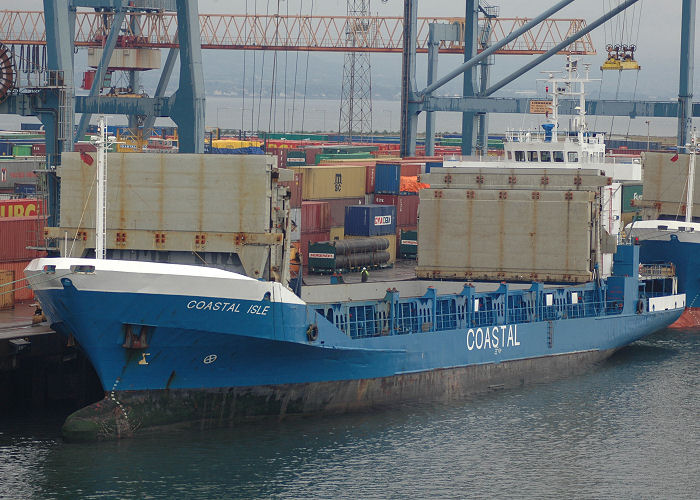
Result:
362,259
7,72
352,246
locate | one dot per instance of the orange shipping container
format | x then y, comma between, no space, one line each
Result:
22,291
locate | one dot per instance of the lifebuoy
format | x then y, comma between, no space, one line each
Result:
312,333
640,306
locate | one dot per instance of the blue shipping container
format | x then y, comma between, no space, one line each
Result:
6,148
387,178
432,164
370,220
25,189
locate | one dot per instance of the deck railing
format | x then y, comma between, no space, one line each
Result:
424,315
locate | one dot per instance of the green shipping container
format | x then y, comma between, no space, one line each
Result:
22,150
408,244
630,192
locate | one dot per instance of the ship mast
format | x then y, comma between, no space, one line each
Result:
691,179
102,142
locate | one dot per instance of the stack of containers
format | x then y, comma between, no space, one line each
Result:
388,191
315,226
339,186
372,221
16,234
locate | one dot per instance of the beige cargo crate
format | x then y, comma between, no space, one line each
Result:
167,192
665,181
507,235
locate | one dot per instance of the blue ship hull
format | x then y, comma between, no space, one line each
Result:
249,349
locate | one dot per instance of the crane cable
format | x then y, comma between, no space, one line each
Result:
245,25
636,79
296,66
306,76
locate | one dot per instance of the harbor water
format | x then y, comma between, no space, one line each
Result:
628,428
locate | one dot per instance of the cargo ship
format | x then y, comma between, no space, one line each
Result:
676,242
175,344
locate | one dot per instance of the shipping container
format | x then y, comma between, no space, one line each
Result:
7,294
84,147
429,165
306,239
406,207
295,223
334,181
370,220
388,176
310,153
507,235
315,216
5,148
19,171
408,244
16,234
39,149
370,175
21,290
295,188
630,194
22,150
337,233
337,208
22,207
25,190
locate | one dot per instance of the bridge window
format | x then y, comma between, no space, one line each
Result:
520,156
510,155
545,156
532,156
573,156
559,156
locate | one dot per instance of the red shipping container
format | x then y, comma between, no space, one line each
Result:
315,216
406,207
369,178
16,234
84,147
39,149
410,169
337,209
21,293
310,154
307,238
21,207
295,188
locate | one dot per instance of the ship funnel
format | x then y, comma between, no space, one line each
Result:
547,131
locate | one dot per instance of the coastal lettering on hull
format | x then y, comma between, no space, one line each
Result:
495,337
230,307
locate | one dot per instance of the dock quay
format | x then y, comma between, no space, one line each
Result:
38,370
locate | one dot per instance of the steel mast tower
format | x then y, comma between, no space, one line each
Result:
356,96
